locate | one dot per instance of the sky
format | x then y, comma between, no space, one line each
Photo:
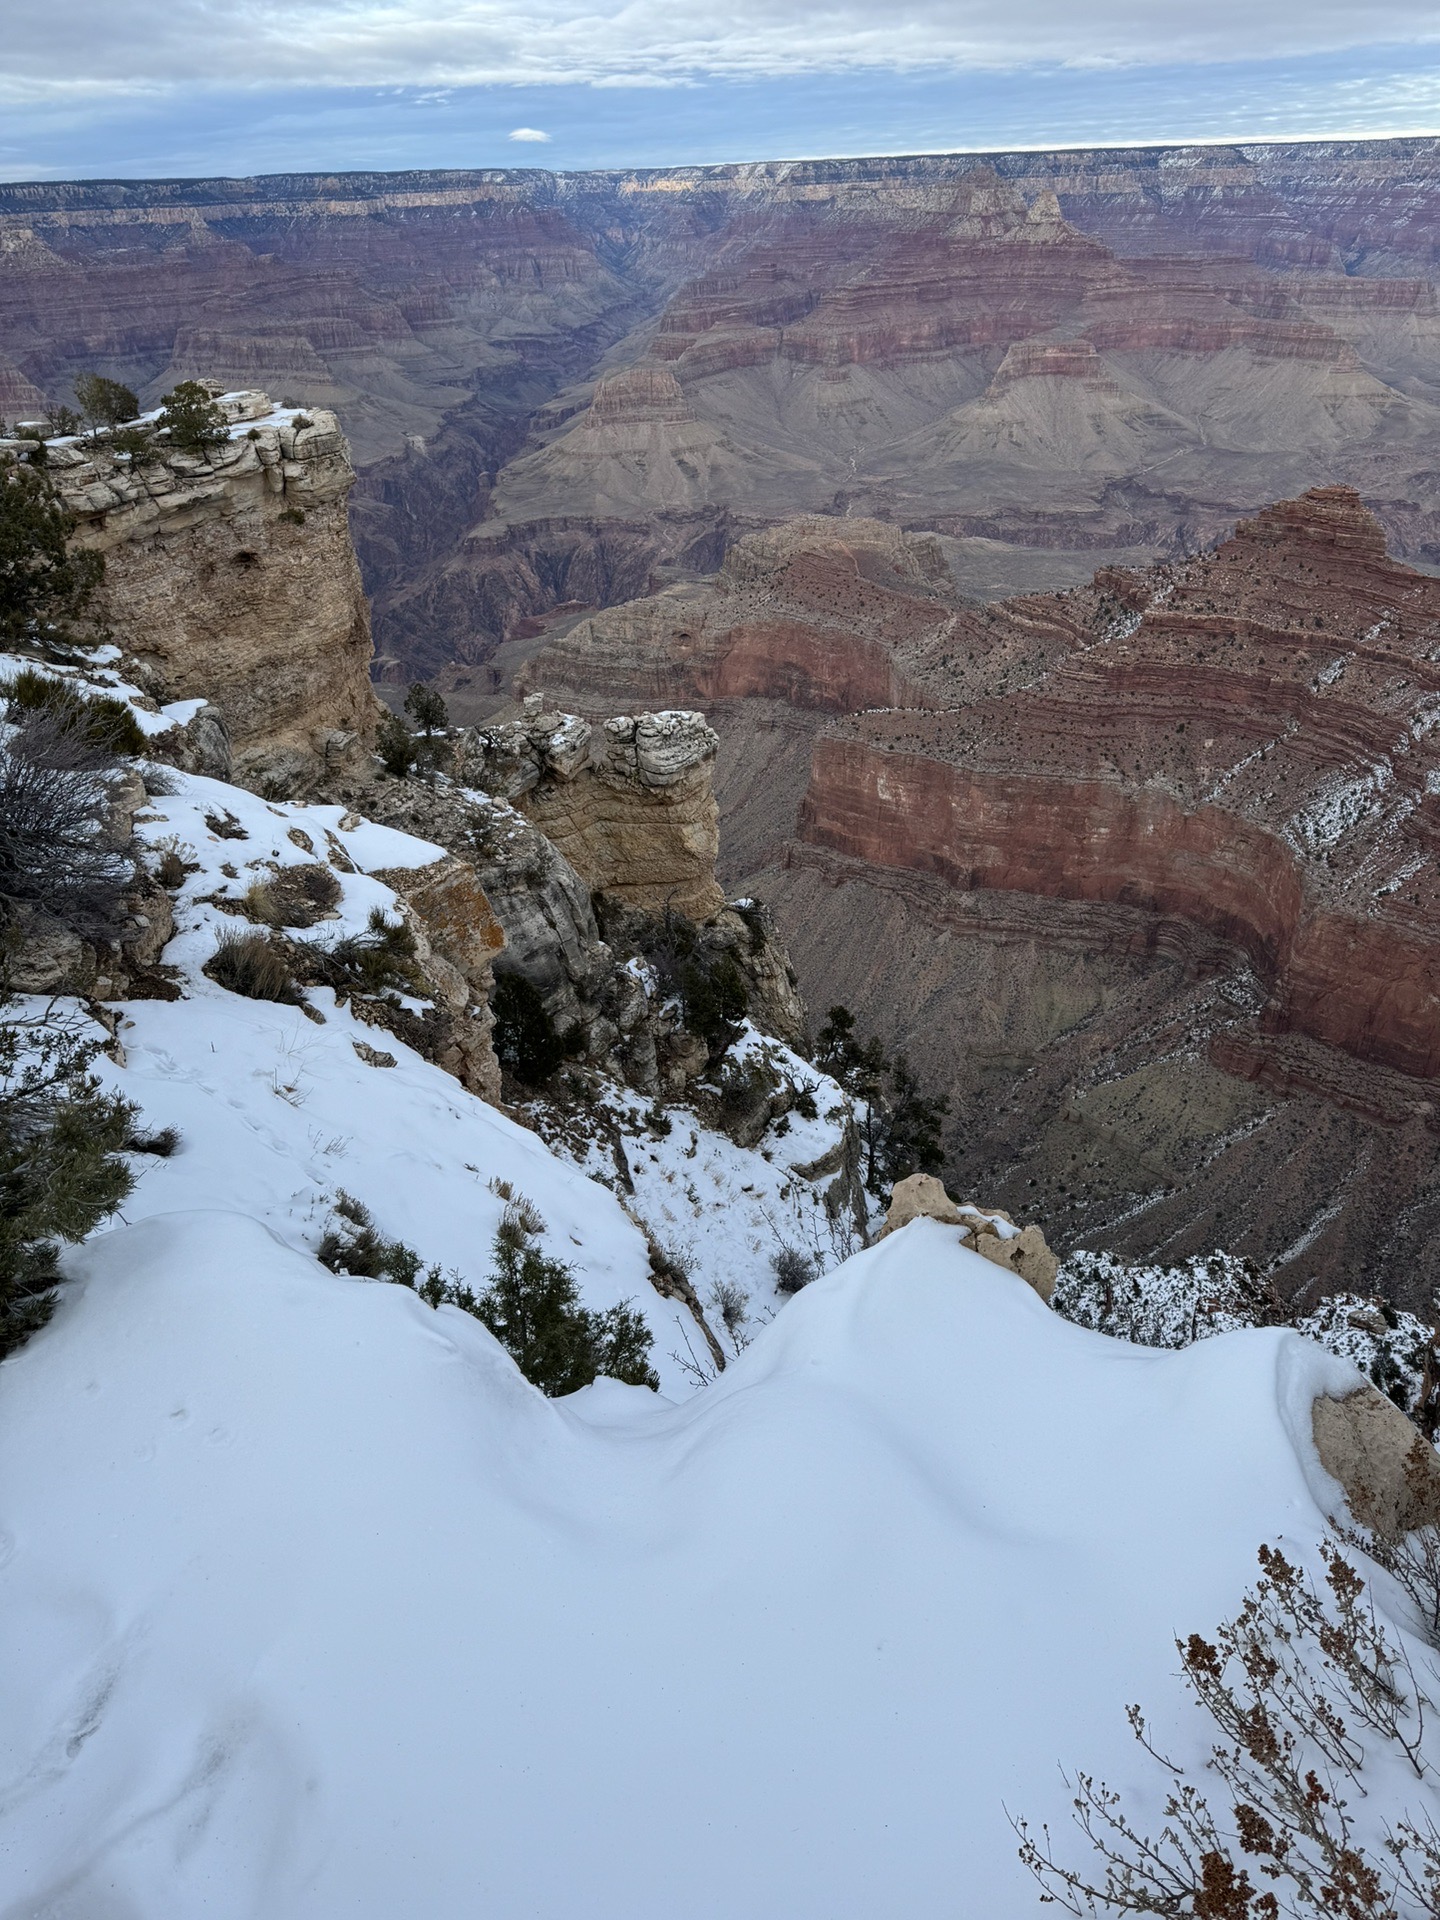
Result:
89,89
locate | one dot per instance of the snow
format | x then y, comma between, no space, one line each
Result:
312,1607
719,1209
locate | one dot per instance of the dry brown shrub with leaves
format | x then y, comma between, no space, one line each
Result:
1314,1701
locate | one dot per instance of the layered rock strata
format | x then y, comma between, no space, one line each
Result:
230,578
1162,849
562,385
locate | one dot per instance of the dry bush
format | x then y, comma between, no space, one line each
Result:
55,787
1313,1700
293,896
254,965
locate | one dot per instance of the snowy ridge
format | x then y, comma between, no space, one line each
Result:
315,1610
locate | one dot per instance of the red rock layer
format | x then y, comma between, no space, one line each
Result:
1251,741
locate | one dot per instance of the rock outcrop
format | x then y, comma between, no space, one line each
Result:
1389,1473
230,578
991,1234
586,846
633,811
1161,849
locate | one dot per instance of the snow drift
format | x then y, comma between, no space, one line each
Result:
314,1610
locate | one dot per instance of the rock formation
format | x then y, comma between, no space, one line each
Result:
585,848
230,578
1160,849
994,1236
559,385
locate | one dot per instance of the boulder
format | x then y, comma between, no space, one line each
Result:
1390,1473
994,1236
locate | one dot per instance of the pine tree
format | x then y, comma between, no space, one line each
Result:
191,418
104,403
532,1307
61,1170
43,584
426,708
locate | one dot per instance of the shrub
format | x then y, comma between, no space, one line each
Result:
170,868
164,1142
804,1104
255,965
900,1126
354,1244
532,1307
98,719
1313,1702
292,516
54,805
105,403
43,584
792,1269
396,746
61,422
295,897
61,1171
732,1303
191,420
380,960
426,707
138,444
526,1038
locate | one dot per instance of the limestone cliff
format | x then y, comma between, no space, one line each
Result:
231,578
597,853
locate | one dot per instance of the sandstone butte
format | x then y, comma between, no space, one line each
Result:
563,389
1232,761
230,578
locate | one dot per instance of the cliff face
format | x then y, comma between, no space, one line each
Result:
1167,843
568,388
231,578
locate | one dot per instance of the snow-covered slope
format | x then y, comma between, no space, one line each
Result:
313,1607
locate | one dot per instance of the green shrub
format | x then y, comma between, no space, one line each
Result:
43,584
96,718
355,1245
61,1170
526,1038
191,420
255,965
396,746
292,516
426,707
138,444
532,1307
105,403
792,1269
380,960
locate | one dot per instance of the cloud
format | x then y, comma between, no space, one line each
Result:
527,133
70,51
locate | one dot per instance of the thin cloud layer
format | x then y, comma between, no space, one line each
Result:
71,51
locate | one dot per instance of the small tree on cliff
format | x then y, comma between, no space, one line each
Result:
901,1126
61,1170
191,419
104,403
43,584
426,708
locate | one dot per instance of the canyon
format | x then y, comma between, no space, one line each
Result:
1161,848
918,477
565,390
